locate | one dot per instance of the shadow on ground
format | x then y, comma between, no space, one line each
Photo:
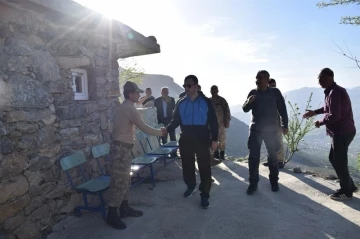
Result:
299,210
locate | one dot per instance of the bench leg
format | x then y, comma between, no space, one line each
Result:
102,206
152,175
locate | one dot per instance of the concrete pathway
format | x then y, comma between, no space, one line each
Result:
301,209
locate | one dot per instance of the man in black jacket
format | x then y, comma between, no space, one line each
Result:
165,106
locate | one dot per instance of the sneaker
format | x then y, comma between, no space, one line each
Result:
251,189
340,196
189,192
355,189
205,203
275,187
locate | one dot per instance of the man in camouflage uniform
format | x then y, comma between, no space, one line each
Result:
280,145
126,116
223,116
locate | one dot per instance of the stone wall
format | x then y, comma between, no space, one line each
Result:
40,122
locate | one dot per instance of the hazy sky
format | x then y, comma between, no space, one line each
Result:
225,42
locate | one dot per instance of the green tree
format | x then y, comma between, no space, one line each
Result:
129,70
298,128
352,20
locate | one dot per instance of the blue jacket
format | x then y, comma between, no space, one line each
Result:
196,117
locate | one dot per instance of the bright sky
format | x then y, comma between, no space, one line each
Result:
225,42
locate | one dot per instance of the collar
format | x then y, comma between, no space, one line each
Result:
332,86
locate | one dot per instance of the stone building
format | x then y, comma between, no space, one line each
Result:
58,89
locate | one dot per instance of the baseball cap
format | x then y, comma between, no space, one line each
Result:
131,86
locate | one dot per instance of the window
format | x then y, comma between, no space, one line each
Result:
80,84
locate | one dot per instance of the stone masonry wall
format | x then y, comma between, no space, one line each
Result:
40,122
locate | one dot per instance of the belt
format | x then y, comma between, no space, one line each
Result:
122,144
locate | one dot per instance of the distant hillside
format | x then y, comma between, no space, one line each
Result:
156,82
236,138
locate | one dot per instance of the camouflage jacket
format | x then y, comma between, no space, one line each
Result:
221,108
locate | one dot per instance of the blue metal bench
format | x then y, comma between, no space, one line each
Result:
171,144
94,187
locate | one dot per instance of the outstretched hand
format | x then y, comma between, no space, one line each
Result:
309,114
214,145
164,131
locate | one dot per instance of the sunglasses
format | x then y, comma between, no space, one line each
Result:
188,85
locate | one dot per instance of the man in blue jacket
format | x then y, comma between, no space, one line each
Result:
196,116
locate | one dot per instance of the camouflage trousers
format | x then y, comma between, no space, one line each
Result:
222,138
120,168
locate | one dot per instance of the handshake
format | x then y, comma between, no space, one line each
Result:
164,131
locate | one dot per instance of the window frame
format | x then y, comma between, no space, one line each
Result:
84,95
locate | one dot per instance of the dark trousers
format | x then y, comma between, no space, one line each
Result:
189,147
338,157
172,134
254,145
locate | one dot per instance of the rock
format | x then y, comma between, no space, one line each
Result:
65,48
70,123
103,120
26,128
100,80
49,120
297,170
69,132
92,139
34,204
100,61
40,213
13,189
30,116
94,117
45,137
17,47
90,108
47,33
24,92
15,134
27,230
331,177
70,112
12,165
40,162
46,66
6,145
57,87
74,201
34,178
52,108
73,62
12,223
35,41
114,92
64,98
27,142
12,207
58,192
102,53
43,189
50,152
4,129
48,176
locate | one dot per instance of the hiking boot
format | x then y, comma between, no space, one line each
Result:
275,187
252,188
222,155
189,192
114,220
205,202
127,211
340,196
216,154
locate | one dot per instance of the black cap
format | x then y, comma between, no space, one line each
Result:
326,72
131,86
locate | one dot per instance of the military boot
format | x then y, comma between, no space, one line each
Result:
114,220
127,211
216,154
222,155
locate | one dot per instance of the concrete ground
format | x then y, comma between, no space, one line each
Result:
301,209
